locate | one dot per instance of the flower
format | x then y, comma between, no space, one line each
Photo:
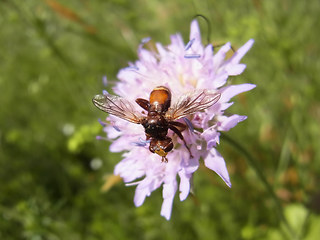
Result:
182,68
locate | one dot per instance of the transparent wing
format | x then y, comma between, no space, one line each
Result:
118,107
192,103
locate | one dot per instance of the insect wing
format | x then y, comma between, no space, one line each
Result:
118,107
192,103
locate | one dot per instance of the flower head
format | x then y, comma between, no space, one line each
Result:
183,68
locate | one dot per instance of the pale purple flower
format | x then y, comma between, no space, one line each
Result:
182,68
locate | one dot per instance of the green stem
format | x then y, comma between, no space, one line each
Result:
253,163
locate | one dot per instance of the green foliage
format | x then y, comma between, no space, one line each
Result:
53,55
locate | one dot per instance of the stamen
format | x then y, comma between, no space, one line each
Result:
145,40
132,183
189,124
192,56
144,141
132,68
138,144
102,122
141,142
189,44
104,80
101,138
114,125
116,128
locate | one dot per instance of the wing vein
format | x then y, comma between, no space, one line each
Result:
118,107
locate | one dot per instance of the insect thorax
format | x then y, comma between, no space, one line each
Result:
156,126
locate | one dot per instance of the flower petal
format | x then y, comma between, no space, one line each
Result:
112,132
211,136
226,123
131,168
184,185
234,70
219,57
147,56
241,52
144,189
195,36
220,79
140,195
195,31
118,145
215,162
230,91
169,190
190,165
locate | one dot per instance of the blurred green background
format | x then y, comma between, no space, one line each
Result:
53,55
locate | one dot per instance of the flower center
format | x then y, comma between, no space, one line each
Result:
183,80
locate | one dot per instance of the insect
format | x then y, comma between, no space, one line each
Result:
161,116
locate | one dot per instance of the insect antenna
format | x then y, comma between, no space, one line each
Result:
209,32
208,25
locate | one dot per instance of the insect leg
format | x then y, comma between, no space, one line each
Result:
180,126
152,145
176,131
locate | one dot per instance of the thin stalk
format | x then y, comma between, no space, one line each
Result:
253,163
